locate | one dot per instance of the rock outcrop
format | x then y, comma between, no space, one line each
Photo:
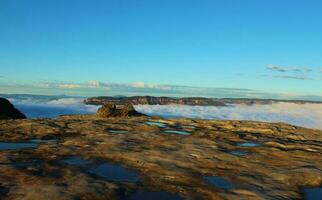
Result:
8,111
112,110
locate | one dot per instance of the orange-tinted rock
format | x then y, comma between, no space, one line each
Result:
111,110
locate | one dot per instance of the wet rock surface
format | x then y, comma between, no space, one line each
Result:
8,111
75,157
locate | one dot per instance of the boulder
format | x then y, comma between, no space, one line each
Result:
8,111
112,110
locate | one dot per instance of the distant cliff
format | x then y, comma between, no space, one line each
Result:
149,100
192,101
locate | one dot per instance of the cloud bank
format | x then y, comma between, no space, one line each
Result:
52,108
306,115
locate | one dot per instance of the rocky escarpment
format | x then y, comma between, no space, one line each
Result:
8,111
112,110
192,101
149,100
90,157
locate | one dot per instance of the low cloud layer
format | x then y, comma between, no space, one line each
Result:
306,115
53,108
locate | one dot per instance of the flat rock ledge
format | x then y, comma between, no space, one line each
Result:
258,160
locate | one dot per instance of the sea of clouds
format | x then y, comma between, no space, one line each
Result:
306,115
35,108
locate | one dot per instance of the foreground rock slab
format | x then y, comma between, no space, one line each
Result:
88,157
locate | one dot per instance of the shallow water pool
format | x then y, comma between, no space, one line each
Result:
219,182
153,195
312,193
102,169
177,132
114,172
238,153
118,131
158,124
249,144
14,146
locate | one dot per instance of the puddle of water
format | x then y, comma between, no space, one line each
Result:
155,195
117,131
248,144
105,170
55,174
14,146
238,153
24,165
158,124
312,193
177,132
42,140
188,127
114,172
75,161
219,182
3,191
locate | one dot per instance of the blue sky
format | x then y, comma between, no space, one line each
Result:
106,47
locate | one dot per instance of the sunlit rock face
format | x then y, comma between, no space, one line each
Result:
112,110
8,111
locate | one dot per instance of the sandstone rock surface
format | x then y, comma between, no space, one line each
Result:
8,111
112,110
284,160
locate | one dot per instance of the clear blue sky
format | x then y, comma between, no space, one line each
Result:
270,46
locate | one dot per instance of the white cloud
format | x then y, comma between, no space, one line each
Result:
296,77
287,69
137,85
94,83
143,85
306,115
69,86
